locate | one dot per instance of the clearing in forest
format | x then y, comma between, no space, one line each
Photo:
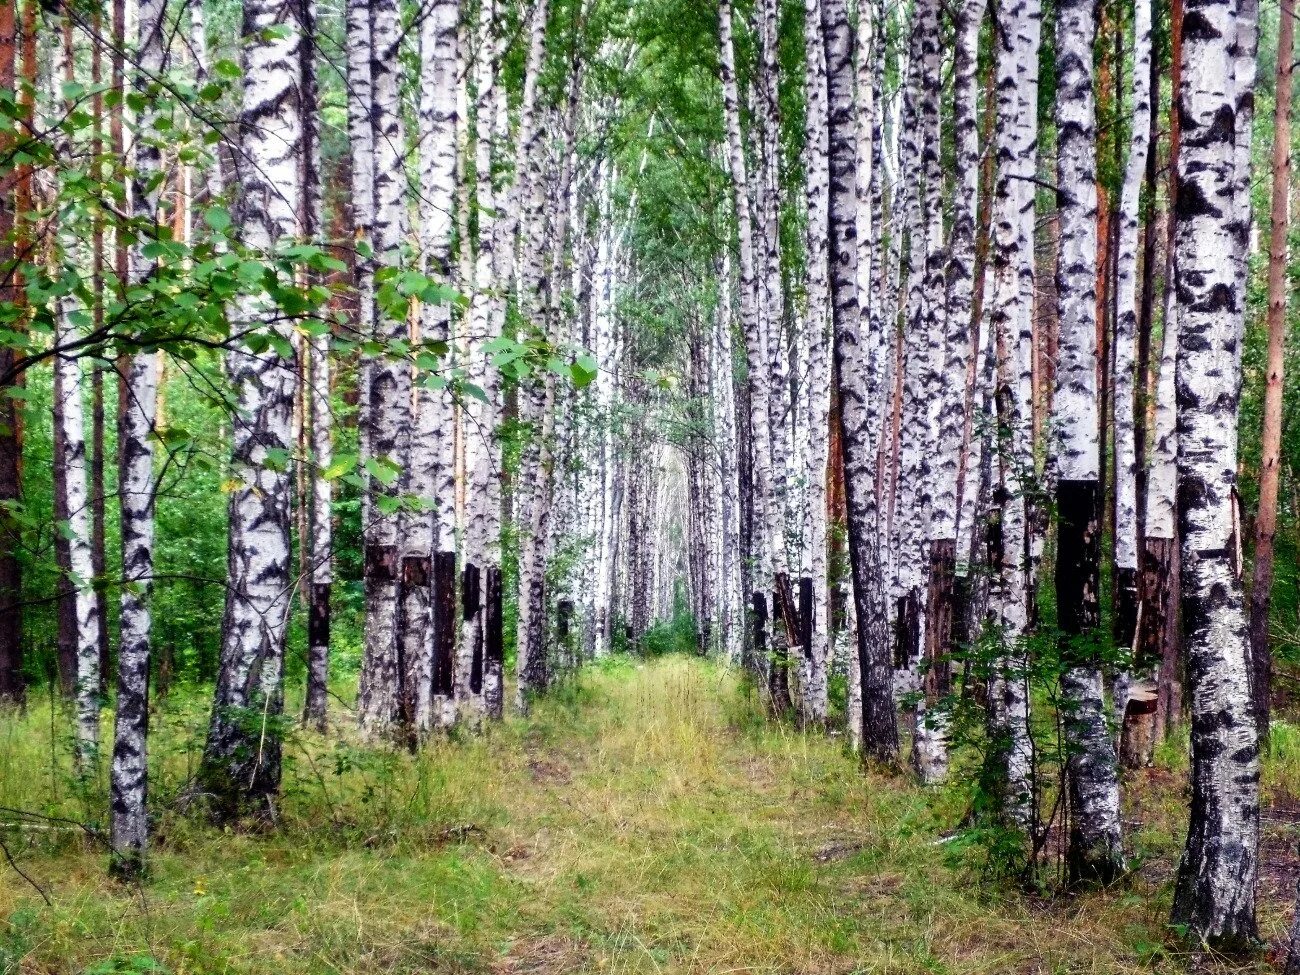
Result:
647,818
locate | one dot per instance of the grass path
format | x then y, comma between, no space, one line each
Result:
644,821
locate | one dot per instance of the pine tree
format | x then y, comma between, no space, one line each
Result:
1261,589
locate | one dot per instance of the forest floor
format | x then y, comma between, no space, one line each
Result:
646,819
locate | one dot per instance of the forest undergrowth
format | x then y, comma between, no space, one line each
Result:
645,818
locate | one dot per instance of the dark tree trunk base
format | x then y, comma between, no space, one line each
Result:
444,623
1158,628
315,708
494,641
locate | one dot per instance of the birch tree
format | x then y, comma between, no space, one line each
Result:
1128,426
1215,893
1095,850
386,692
318,409
527,215
1011,310
880,727
958,315
758,433
817,379
68,414
428,584
241,762
128,783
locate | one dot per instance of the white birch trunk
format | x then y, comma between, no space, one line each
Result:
71,415
815,432
361,148
880,728
528,214
1127,426
1095,851
751,318
724,404
128,783
386,696
241,764
429,559
1011,310
1215,893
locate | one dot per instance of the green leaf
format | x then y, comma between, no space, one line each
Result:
218,218
341,465
383,470
277,458
584,370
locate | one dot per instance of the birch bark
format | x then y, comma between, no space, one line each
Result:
386,695
69,422
1011,309
128,783
241,762
1128,428
1215,893
880,727
482,453
361,149
429,560
317,407
528,215
767,198
1095,850
931,751
751,321
817,381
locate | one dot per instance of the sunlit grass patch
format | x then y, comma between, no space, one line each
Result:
646,819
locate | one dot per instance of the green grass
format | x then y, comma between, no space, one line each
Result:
643,820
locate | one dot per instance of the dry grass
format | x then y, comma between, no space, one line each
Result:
644,820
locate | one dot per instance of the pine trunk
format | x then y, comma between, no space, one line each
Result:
1261,589
12,678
